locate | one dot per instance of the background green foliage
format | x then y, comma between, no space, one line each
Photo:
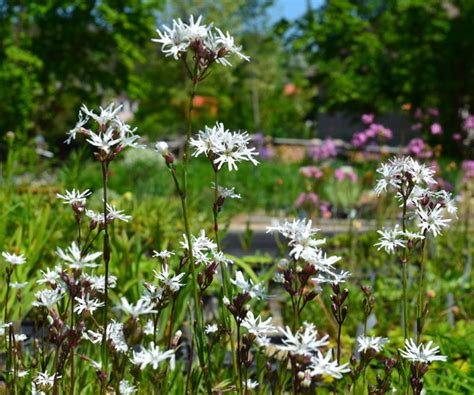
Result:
376,55
351,56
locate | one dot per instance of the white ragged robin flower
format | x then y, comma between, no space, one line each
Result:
126,388
402,174
222,146
175,40
116,336
48,297
74,259
203,248
49,276
78,128
208,43
74,197
211,328
18,285
250,384
227,47
248,286
391,239
165,254
259,328
304,342
105,115
301,236
326,365
421,352
152,356
14,259
44,381
87,304
169,281
112,134
113,213
376,343
97,283
226,193
142,307
432,220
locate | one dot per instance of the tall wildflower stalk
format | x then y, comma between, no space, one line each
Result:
111,136
426,210
206,46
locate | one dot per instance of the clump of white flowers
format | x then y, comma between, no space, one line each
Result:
223,146
208,42
305,249
111,134
425,210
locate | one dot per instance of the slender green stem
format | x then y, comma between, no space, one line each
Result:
71,361
420,290
239,362
405,275
106,255
199,335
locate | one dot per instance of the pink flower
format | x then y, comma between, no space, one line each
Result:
359,139
339,174
367,118
300,200
310,198
311,172
417,126
324,209
469,122
324,151
436,129
345,172
457,137
418,148
468,168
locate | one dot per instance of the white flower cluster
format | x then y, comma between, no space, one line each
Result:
247,286
428,209
205,251
259,328
153,357
423,353
222,146
74,197
366,343
209,41
305,247
306,343
112,133
170,282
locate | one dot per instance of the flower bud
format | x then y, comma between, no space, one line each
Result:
162,148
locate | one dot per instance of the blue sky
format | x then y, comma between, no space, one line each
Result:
292,9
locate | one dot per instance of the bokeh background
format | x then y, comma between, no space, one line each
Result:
316,66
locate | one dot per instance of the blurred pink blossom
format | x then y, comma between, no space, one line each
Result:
418,148
309,197
468,168
311,172
345,172
436,129
324,151
367,118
